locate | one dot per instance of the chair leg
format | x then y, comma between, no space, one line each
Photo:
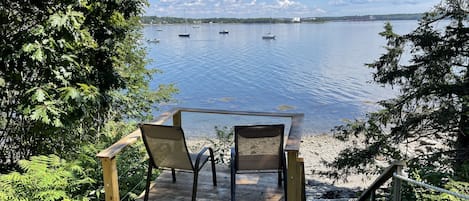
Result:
147,187
279,178
194,185
233,185
214,172
285,176
173,173
233,175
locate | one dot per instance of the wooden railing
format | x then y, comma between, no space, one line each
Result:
295,171
396,167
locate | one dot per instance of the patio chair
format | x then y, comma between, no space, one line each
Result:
166,147
258,149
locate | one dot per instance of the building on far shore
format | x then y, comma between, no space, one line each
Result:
296,20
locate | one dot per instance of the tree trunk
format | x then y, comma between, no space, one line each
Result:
462,143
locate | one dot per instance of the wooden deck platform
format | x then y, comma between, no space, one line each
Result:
258,187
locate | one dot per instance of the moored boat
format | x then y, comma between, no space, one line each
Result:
224,31
268,36
153,40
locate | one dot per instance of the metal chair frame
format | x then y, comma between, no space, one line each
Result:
195,167
235,160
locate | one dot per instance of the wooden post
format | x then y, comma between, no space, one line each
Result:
111,185
177,119
301,169
397,183
293,185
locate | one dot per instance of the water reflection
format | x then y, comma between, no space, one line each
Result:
316,69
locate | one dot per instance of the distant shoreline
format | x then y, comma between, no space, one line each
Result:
147,20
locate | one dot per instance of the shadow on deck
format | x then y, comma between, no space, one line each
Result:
258,187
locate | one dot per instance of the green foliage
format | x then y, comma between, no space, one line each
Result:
132,162
45,178
52,178
428,122
222,144
428,175
72,77
67,68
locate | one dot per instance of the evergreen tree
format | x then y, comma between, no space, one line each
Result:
430,69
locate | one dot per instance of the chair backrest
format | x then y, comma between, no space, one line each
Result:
166,146
259,147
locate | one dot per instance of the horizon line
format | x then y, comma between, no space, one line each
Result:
287,17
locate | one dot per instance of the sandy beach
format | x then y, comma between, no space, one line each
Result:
324,147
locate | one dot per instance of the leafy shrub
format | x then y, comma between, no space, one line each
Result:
131,163
47,178
52,178
67,68
71,75
222,144
456,182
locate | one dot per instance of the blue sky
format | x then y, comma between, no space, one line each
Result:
284,8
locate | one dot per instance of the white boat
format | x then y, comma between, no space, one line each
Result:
268,36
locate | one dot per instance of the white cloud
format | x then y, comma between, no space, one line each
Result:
350,2
283,8
337,2
319,11
194,3
286,3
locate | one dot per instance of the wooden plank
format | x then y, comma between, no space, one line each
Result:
301,169
111,185
177,119
248,113
249,186
294,137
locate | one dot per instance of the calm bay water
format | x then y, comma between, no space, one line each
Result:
315,69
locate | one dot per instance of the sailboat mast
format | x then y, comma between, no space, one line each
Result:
185,34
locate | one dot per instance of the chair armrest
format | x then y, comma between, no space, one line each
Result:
199,155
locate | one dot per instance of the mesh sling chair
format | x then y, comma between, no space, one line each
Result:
166,147
258,149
